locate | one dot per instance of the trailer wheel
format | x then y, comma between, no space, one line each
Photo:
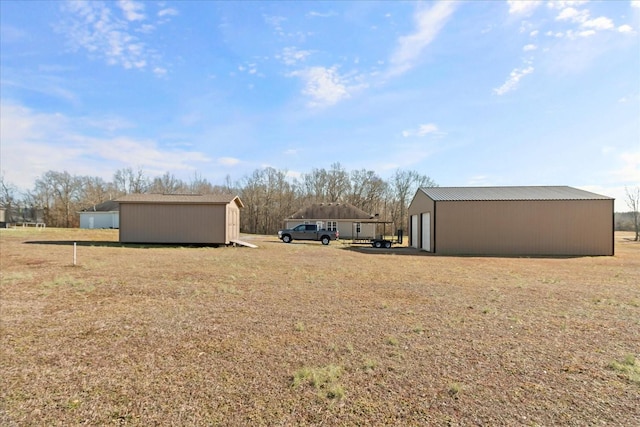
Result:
387,245
377,244
325,240
286,238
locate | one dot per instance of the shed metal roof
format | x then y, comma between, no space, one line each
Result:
180,198
510,193
108,206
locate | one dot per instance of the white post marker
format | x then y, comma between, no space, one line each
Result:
74,253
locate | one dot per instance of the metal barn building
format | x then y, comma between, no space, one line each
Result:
179,218
554,220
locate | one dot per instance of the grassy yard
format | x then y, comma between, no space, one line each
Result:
305,334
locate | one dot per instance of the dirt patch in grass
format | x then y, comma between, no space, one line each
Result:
305,334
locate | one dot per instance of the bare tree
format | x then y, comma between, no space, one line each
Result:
9,199
168,184
403,186
128,181
367,191
58,193
633,201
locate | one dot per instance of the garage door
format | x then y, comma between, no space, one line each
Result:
426,231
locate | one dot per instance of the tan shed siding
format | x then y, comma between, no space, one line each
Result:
558,227
419,205
172,223
233,222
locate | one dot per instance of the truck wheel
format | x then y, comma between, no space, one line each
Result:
387,245
286,238
377,244
325,240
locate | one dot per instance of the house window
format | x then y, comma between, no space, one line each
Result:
332,225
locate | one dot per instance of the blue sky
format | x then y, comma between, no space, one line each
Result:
468,93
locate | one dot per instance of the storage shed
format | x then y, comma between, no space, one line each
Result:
549,220
102,215
350,221
179,218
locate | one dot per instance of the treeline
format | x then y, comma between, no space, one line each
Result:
269,194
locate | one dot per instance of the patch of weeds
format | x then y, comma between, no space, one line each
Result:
629,367
323,379
73,404
71,282
229,289
17,276
418,329
392,341
369,365
299,327
454,390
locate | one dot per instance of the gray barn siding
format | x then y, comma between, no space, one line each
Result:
172,223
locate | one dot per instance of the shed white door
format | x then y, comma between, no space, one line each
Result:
91,222
414,231
426,231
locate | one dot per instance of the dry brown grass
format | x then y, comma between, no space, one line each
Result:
305,334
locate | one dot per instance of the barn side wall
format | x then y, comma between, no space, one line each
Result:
173,223
558,227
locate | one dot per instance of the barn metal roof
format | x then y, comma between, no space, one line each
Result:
180,198
510,193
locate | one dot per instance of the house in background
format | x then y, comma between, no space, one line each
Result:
209,219
103,215
553,220
350,221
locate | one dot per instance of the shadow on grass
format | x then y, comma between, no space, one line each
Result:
417,252
111,244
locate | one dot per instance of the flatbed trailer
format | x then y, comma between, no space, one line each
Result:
382,240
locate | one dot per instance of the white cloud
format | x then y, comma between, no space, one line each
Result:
167,12
514,78
563,4
520,7
635,3
292,55
429,23
132,10
325,86
97,29
422,130
33,143
573,15
625,29
228,161
600,23
315,14
629,172
529,47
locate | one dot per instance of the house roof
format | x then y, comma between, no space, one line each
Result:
210,199
108,206
510,193
331,211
